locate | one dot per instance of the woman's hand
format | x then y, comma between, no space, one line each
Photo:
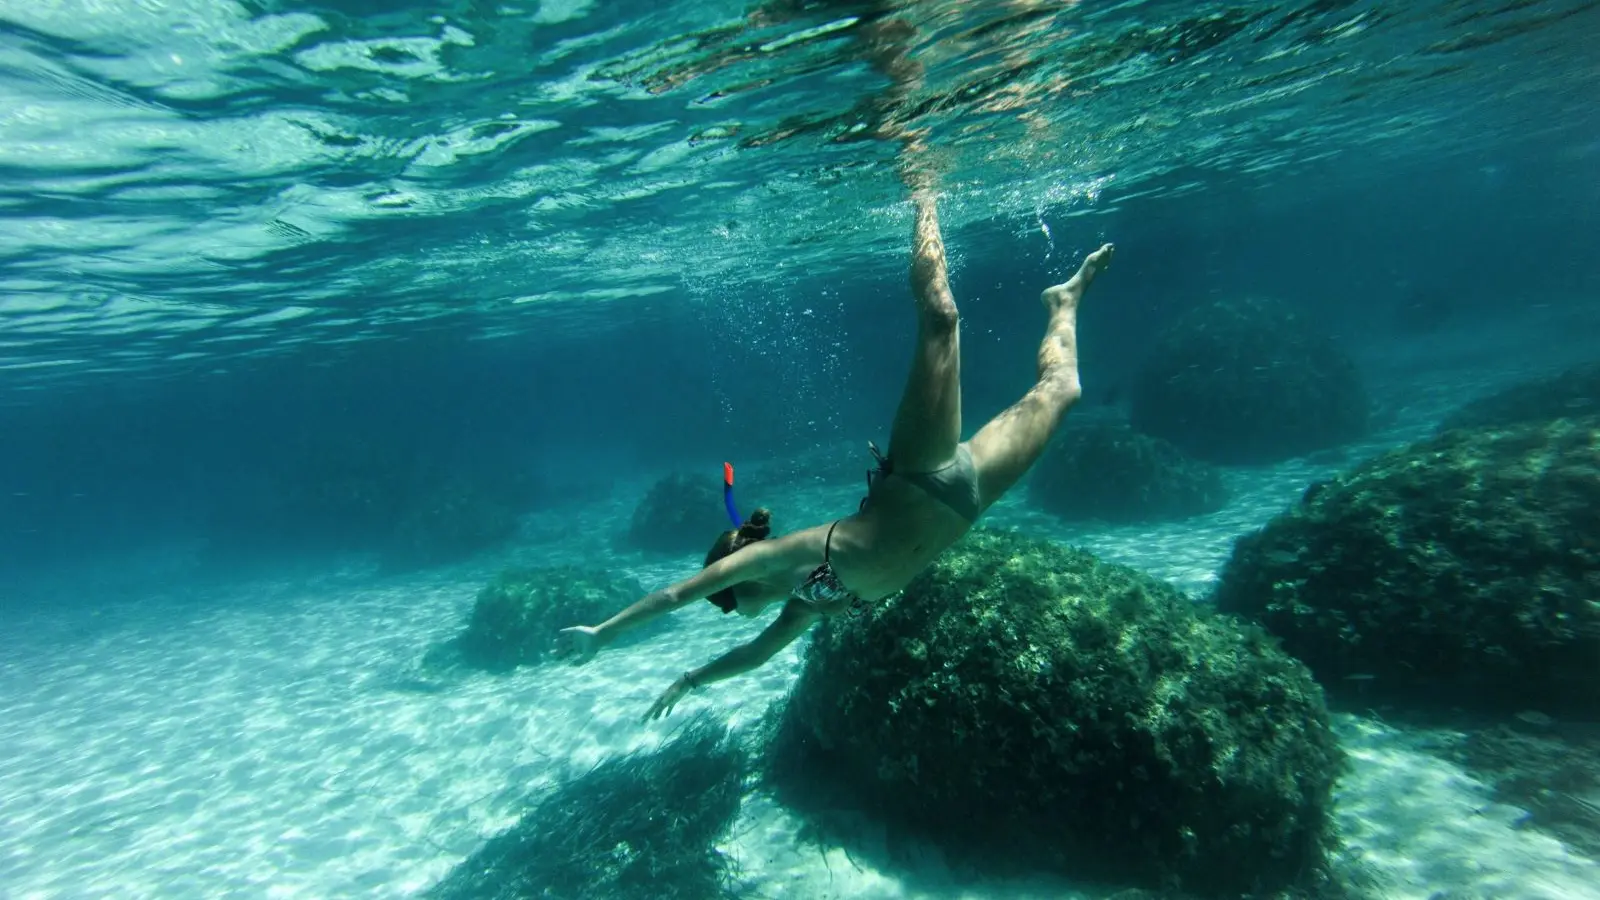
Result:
582,642
664,704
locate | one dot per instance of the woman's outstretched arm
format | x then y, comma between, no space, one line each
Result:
751,563
790,624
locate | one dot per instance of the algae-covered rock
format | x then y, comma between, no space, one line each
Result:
518,617
1104,470
638,827
1026,702
1248,382
1574,392
1466,566
680,514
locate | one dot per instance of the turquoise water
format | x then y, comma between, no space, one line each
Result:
194,186
274,272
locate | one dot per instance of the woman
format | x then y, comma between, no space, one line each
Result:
927,492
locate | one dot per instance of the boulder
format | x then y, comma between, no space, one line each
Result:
680,514
1574,392
1463,570
1030,705
1103,470
518,617
1247,382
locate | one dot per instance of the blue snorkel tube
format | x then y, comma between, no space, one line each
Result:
727,495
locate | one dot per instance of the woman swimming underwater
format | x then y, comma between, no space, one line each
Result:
925,494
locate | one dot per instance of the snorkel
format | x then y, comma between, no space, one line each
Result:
727,495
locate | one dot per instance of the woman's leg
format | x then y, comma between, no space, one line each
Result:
1005,448
927,426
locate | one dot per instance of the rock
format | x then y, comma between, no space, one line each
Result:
1103,470
1573,393
680,514
1248,381
518,617
1027,703
1463,570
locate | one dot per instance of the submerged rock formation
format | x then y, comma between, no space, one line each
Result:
1463,570
1575,392
637,827
518,617
1032,706
681,514
1241,382
1103,470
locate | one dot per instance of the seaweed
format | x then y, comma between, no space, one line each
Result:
1549,768
642,826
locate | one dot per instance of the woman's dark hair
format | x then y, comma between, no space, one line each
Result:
755,528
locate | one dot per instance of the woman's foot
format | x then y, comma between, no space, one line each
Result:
1068,294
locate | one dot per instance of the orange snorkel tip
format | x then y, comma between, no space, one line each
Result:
727,495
